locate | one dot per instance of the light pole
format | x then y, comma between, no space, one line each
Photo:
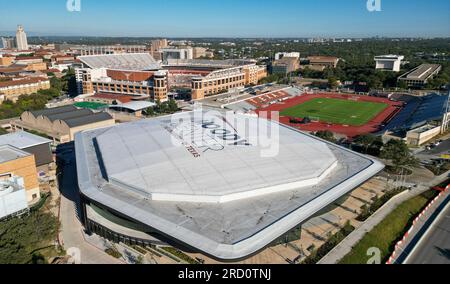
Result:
446,120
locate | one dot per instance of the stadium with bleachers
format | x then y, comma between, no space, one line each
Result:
400,114
333,112
140,76
417,112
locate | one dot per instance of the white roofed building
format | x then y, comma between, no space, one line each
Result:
389,62
208,183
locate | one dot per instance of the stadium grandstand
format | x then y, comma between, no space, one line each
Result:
114,72
250,103
132,74
268,99
128,61
207,64
418,111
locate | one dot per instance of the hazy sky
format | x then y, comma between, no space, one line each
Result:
229,18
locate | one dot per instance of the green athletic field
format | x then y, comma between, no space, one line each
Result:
337,111
90,105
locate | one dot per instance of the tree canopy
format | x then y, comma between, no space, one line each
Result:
398,152
22,238
326,135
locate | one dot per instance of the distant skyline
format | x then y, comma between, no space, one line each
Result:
228,18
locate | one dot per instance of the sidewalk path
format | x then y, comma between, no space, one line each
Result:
71,235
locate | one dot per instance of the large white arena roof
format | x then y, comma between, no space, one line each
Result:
126,61
209,180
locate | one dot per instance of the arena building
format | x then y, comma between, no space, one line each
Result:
209,182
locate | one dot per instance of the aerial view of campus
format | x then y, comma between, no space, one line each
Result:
225,133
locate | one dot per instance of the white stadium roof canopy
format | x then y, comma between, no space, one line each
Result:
126,61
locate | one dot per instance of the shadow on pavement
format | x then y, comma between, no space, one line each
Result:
444,252
68,184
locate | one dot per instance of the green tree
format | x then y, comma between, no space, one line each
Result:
402,85
157,108
56,83
70,83
21,238
332,82
326,135
398,152
150,111
366,141
173,106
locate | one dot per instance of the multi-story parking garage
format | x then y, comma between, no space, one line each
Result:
210,182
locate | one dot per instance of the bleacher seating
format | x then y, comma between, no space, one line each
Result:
127,61
417,112
268,99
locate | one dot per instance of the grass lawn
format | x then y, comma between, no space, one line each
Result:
386,234
337,111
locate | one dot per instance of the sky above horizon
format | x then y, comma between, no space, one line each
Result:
229,18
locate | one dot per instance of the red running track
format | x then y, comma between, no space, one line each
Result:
350,131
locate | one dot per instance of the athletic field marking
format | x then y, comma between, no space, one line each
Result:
337,111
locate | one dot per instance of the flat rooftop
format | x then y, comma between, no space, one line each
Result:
207,181
424,129
22,139
9,153
389,57
422,72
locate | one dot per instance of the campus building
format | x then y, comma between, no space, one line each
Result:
6,60
389,62
13,89
21,39
177,53
8,43
156,46
419,76
18,163
211,77
201,52
280,55
203,182
38,146
323,61
13,196
62,123
419,136
285,65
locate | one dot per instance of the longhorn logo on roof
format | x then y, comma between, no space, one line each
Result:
207,135
207,132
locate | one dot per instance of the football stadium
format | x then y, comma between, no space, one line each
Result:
350,115
207,182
